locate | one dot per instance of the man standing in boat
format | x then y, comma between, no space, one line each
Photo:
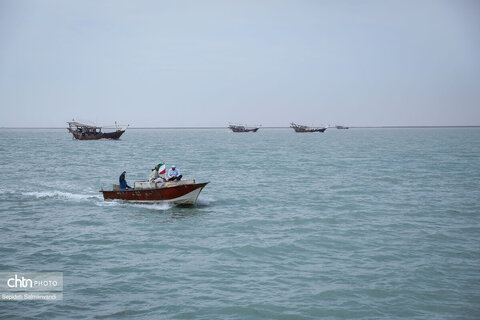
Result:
123,182
174,174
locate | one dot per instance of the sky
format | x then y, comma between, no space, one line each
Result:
212,63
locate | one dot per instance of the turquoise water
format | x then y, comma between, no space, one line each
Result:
357,224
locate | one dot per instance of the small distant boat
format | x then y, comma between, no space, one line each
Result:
183,192
83,131
240,128
301,128
341,127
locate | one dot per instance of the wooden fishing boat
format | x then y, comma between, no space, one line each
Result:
178,192
301,128
83,131
240,128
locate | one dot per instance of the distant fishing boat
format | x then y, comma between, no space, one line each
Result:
178,192
301,128
341,127
83,131
240,128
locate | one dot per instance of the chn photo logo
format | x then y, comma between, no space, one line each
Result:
22,282
21,286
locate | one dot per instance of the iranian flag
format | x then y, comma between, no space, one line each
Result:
161,168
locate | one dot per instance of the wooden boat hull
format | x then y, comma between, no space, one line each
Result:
310,130
243,129
104,135
301,128
181,194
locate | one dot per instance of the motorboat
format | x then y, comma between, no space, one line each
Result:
177,192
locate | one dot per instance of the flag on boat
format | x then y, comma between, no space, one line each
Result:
161,168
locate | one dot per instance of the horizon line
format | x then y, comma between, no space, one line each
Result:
270,127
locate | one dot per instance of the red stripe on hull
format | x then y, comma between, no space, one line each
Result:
153,195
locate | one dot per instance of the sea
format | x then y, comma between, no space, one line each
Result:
347,224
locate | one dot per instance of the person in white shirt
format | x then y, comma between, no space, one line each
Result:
173,174
154,176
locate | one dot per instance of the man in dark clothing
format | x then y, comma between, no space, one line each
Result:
123,182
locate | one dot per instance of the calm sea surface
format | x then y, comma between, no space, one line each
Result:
357,224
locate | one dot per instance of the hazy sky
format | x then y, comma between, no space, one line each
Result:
208,63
